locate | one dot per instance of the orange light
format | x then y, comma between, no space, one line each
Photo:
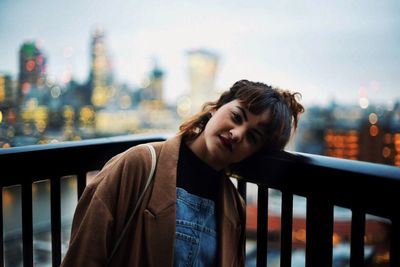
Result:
11,116
397,138
387,139
373,130
386,152
383,257
299,235
335,239
353,138
397,160
397,147
328,138
7,198
352,146
6,145
352,152
30,65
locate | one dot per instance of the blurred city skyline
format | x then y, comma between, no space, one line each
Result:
327,50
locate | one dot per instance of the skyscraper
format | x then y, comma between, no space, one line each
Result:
6,90
100,71
32,69
156,80
153,85
202,70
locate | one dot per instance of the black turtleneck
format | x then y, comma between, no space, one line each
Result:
196,177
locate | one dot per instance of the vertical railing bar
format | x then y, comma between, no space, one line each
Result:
395,242
27,223
262,226
55,198
319,231
357,238
1,229
81,182
242,188
286,229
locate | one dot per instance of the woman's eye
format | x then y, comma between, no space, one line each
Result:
236,117
252,138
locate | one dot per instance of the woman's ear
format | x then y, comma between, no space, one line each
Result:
213,111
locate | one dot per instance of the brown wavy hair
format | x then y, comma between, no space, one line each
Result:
258,97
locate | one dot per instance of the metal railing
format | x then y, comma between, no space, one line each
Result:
325,182
364,188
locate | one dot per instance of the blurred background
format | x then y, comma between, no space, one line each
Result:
74,70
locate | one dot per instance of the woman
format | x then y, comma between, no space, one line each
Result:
192,214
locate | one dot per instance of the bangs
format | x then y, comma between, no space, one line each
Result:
261,99
256,99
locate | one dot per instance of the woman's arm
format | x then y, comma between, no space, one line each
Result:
104,207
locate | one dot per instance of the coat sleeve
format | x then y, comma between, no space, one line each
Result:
103,208
90,234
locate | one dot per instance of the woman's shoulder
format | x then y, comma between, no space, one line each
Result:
134,159
137,160
168,147
127,169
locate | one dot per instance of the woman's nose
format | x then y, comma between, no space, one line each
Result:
236,134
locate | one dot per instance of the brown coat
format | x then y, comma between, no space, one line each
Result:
107,202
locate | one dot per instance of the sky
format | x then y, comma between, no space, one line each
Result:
327,50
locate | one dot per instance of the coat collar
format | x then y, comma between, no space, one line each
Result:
160,218
164,190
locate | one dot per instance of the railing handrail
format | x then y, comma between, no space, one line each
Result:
335,164
347,183
354,166
318,161
83,143
39,161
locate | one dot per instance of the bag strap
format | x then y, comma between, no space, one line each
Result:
149,179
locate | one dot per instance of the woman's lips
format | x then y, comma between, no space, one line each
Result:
226,142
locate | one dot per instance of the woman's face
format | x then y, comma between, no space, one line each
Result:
232,134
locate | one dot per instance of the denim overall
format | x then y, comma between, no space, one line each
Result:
196,231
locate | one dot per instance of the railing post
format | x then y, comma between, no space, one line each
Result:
319,231
286,229
262,226
395,242
55,220
81,183
1,229
357,238
27,222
